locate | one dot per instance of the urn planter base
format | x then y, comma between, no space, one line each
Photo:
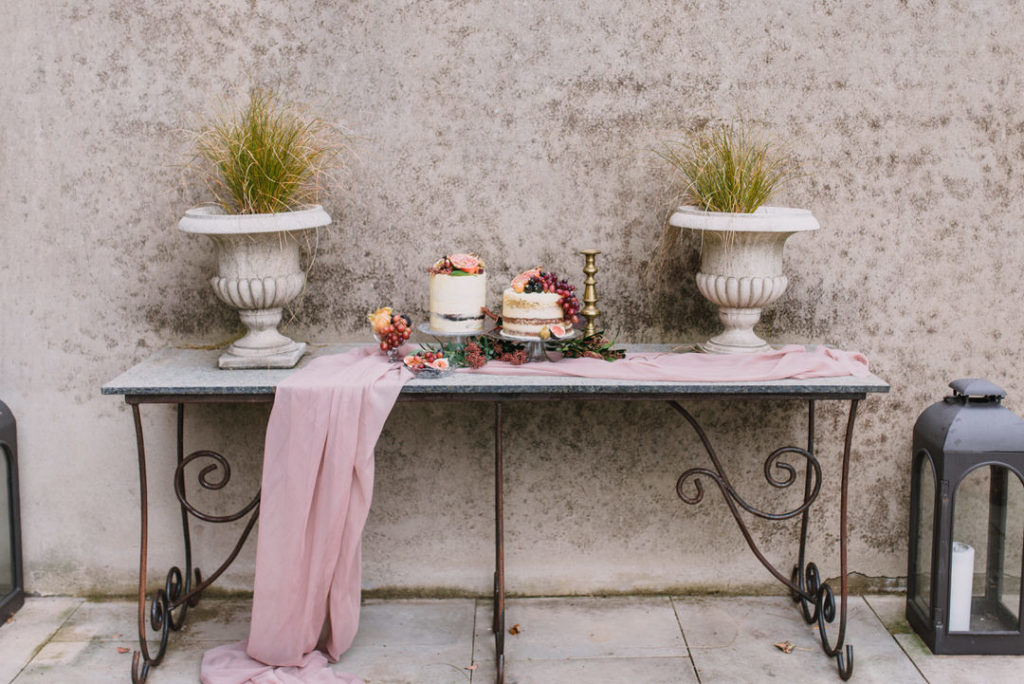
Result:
263,346
739,336
283,359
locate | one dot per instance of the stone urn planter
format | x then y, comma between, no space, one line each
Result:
741,267
258,273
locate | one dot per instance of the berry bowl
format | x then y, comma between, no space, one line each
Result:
427,365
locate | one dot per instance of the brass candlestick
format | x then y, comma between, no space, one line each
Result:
590,310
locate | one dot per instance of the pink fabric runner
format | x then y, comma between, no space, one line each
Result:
318,482
792,361
317,486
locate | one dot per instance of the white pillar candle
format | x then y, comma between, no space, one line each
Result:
961,585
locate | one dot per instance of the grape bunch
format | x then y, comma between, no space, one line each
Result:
395,332
390,328
549,282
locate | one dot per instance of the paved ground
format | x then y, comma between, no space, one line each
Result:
634,640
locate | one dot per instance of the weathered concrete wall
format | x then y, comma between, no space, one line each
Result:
520,130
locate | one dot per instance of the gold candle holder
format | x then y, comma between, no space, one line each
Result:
590,310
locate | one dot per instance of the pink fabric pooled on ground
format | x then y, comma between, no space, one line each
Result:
317,486
318,482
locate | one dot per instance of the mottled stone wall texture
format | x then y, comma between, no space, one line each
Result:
523,131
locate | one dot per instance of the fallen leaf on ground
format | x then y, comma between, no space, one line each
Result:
785,646
514,629
122,649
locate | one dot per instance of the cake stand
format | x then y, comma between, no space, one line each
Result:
536,348
445,337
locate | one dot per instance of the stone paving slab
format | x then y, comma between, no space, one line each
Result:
593,640
731,639
578,628
413,642
99,662
891,610
29,629
592,671
223,620
961,669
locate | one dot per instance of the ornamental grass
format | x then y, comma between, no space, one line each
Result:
269,157
727,168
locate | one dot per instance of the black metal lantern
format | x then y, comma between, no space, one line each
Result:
12,594
964,590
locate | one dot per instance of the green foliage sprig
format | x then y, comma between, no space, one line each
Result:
730,168
270,157
478,350
595,346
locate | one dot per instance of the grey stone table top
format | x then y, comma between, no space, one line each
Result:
175,374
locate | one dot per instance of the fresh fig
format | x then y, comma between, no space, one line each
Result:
465,262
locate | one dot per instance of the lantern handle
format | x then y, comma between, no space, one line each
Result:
977,388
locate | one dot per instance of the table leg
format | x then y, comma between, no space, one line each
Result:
805,584
169,605
797,577
142,660
499,549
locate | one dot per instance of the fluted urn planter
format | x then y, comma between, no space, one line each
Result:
258,273
741,267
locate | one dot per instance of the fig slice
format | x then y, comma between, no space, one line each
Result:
519,282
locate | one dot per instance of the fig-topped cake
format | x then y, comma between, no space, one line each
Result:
538,300
458,294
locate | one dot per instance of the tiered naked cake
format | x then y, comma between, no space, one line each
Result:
537,302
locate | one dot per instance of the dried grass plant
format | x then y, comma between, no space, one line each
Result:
721,168
270,157
729,168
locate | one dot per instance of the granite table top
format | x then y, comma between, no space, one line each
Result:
182,374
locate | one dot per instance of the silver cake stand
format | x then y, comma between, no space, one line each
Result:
536,348
443,336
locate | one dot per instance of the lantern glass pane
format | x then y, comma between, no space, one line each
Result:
984,594
925,518
6,525
1013,546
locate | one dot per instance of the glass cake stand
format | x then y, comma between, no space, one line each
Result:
536,348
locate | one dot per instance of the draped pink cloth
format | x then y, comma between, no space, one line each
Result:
318,483
317,486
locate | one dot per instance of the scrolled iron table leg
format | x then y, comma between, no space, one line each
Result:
142,660
816,599
499,549
179,593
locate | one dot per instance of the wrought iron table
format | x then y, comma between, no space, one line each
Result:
189,376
